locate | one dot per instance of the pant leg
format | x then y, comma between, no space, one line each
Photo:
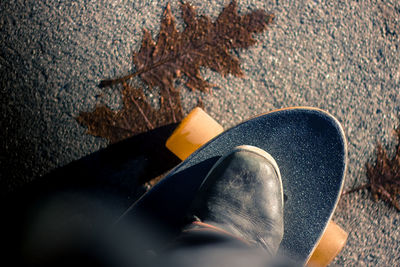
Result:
201,246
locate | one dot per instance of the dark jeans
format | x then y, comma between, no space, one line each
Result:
132,243
203,245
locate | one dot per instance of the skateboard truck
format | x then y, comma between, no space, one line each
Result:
198,128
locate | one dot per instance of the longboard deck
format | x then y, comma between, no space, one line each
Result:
310,148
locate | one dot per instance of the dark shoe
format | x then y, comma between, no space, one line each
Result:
242,194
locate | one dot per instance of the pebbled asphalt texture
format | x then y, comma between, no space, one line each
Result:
341,56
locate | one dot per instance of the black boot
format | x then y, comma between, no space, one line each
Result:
242,196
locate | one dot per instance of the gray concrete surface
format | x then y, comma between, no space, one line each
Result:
341,56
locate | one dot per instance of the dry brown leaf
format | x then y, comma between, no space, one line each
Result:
384,176
137,115
203,43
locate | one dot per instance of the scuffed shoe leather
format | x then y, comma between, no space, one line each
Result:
242,194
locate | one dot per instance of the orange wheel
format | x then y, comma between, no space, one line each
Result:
196,129
331,243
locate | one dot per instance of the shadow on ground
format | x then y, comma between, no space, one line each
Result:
103,184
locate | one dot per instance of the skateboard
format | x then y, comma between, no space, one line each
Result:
310,148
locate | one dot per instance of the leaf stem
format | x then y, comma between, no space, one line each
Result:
105,83
171,106
149,125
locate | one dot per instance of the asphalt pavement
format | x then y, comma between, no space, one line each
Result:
340,56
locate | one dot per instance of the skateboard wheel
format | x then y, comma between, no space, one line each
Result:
332,241
196,129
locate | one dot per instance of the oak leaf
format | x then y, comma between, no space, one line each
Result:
137,115
202,43
384,176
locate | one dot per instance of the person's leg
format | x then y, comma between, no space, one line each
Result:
207,246
237,222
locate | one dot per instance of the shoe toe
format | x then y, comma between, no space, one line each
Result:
243,192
